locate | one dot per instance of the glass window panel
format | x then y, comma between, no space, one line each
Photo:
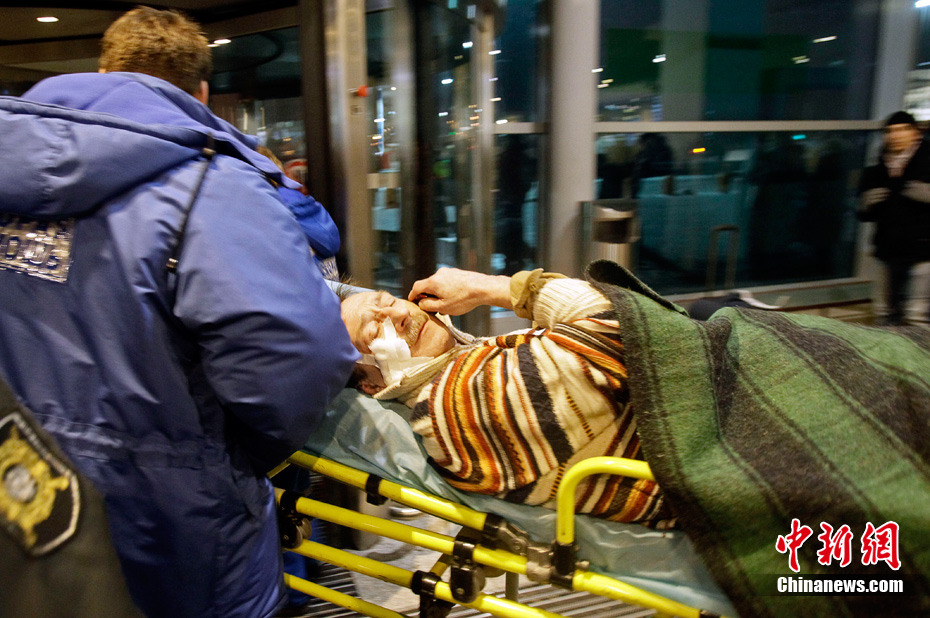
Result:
453,132
384,169
736,60
516,66
786,199
516,203
917,97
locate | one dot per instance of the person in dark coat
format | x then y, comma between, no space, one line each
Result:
895,195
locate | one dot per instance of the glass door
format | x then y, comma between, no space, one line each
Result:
424,119
388,120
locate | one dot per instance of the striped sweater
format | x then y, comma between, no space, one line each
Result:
506,416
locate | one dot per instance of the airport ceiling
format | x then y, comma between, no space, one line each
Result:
30,49
18,23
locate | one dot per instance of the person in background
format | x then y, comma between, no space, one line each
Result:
895,195
315,221
161,314
55,547
653,157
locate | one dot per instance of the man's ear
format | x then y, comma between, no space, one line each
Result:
203,95
368,387
368,379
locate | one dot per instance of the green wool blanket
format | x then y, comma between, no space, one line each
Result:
754,419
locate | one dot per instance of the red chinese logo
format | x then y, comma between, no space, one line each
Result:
881,544
791,543
878,544
835,546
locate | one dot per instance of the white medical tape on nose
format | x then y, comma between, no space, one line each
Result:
389,346
392,354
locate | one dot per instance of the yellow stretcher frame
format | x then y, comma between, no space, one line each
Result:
511,551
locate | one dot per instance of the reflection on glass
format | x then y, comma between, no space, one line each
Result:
917,97
516,204
516,64
763,60
256,87
785,200
384,169
452,133
448,116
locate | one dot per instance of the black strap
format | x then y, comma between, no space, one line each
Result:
208,153
373,490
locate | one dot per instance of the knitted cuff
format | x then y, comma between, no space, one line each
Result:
525,287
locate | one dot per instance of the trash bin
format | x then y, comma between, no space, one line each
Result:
610,230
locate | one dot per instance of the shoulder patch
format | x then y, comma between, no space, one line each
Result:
36,248
39,493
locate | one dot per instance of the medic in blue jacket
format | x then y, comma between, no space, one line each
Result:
173,391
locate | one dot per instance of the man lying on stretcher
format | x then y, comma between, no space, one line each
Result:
507,415
755,423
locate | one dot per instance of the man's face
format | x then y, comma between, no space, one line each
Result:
364,314
900,137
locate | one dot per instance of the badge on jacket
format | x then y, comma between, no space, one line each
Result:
39,493
36,248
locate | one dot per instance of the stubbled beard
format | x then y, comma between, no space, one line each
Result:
412,331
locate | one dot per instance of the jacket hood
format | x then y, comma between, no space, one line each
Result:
314,220
74,141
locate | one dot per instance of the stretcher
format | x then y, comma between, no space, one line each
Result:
367,444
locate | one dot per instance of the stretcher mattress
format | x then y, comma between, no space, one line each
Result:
374,436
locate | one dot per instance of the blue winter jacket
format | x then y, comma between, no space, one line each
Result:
174,393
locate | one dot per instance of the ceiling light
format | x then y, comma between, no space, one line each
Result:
47,19
221,41
825,39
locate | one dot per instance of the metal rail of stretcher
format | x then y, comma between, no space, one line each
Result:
486,541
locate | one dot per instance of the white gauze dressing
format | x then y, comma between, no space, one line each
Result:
392,354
